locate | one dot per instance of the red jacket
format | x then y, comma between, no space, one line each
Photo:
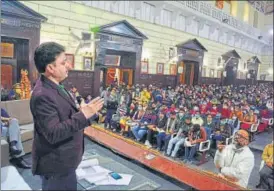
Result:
209,105
265,113
225,113
213,112
203,110
202,135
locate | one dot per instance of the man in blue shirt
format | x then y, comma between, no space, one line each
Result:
10,129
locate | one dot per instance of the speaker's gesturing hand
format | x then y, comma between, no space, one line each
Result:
92,107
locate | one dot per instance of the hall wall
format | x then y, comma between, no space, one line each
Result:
64,14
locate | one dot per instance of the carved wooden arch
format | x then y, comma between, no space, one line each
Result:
20,21
127,38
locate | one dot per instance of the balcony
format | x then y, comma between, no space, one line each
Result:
202,10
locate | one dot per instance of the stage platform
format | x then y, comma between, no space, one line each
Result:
108,156
155,160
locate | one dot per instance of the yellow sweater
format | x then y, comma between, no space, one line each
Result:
145,96
267,155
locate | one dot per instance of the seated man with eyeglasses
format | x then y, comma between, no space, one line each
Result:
236,161
10,129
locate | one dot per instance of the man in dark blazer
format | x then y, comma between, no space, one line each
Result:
58,124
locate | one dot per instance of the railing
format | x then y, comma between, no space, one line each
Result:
221,15
205,8
193,5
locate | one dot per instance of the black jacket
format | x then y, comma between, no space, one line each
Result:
58,143
161,123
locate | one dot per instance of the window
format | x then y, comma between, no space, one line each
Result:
7,50
211,73
219,74
255,21
166,17
246,12
233,8
204,72
181,22
112,60
227,7
148,12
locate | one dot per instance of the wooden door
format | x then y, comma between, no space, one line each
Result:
191,74
126,76
6,76
187,75
110,75
181,70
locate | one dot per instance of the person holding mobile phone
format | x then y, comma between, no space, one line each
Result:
58,123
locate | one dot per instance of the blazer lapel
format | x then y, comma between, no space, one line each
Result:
68,98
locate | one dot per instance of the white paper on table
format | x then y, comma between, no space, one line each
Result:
86,168
92,171
95,179
90,162
80,173
100,169
95,174
125,180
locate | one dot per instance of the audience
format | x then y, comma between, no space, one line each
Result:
177,120
180,119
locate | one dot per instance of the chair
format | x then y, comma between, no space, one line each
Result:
253,129
270,122
229,140
203,148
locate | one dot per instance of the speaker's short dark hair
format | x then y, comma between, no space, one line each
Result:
45,54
